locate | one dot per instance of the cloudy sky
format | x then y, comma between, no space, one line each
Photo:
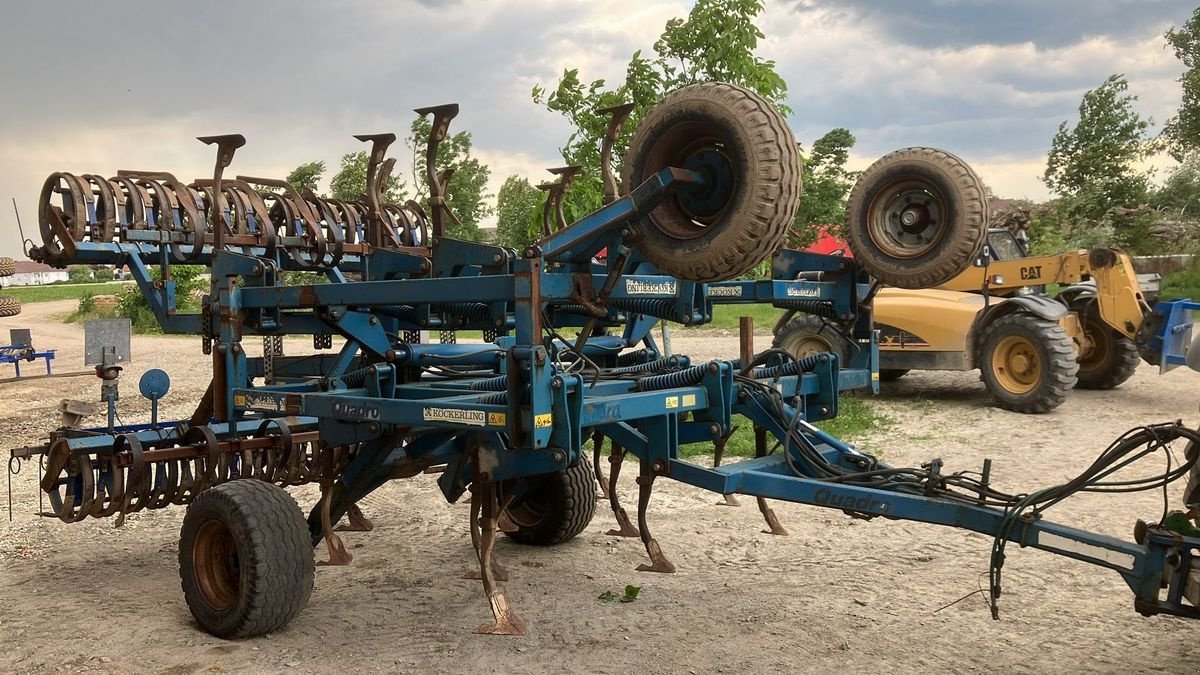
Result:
92,87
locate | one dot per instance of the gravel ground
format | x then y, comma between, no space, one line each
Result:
837,594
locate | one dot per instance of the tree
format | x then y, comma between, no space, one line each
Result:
1182,132
466,195
826,184
515,204
1179,195
307,175
715,42
350,182
1092,167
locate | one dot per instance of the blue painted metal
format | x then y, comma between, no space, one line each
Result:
16,354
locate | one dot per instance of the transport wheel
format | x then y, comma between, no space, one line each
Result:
555,508
805,335
1108,357
10,306
748,156
916,218
8,267
1027,363
245,559
892,374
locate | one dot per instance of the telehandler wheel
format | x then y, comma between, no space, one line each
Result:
1027,362
748,156
556,508
8,267
10,306
1108,359
806,334
916,218
892,374
245,559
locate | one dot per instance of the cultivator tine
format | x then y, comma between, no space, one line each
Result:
553,195
338,555
506,620
616,121
498,570
442,114
376,182
718,454
226,144
624,527
355,521
760,450
597,447
566,176
658,561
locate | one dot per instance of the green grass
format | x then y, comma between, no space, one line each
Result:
31,294
1184,283
726,317
856,416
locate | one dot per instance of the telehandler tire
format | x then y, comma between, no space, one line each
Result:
916,218
1027,363
245,559
741,214
806,334
557,508
1112,358
10,306
8,267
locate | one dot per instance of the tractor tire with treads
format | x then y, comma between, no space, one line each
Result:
8,267
246,559
917,217
10,306
749,158
557,508
806,334
1027,363
1112,358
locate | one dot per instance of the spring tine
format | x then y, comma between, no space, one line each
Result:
616,121
442,115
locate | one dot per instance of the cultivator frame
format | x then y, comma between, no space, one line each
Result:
498,418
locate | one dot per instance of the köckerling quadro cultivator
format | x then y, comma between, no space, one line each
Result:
710,184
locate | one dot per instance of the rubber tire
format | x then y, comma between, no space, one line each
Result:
808,325
275,553
892,374
967,207
764,197
1118,363
10,306
569,499
8,267
1055,350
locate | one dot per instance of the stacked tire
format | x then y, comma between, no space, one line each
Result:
8,306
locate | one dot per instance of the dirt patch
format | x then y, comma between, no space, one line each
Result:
838,594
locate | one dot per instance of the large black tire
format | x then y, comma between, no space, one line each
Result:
1112,359
556,508
245,559
10,306
892,374
747,152
916,218
806,334
8,267
1027,363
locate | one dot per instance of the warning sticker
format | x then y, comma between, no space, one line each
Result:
689,400
543,421
497,419
672,402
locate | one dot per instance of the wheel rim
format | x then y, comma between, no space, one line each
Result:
1017,364
692,146
530,509
1097,346
907,218
801,345
215,560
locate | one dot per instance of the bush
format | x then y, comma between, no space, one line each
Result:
133,305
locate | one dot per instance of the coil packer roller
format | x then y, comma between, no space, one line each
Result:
712,179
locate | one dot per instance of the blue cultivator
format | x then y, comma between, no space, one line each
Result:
710,185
